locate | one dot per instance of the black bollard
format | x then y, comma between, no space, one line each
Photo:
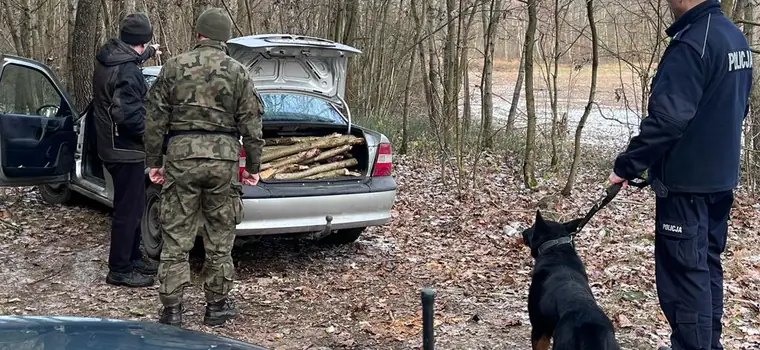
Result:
428,301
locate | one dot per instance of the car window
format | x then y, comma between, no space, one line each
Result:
298,107
292,107
25,90
150,79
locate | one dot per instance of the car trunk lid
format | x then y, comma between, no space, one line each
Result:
291,62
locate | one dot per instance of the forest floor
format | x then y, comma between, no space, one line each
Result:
300,295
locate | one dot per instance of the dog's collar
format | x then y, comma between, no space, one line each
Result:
554,242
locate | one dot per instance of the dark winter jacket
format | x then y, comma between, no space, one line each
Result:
690,140
118,91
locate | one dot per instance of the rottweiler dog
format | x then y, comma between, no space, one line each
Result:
560,303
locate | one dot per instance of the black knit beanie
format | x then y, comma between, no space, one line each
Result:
214,24
136,29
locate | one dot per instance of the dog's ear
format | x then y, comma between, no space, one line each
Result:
572,226
539,218
540,222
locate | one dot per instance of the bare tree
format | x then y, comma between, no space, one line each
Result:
592,91
529,162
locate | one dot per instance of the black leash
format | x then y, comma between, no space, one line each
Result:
611,192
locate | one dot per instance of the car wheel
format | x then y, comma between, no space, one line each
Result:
341,237
151,225
152,241
59,193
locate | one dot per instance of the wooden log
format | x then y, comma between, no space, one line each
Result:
327,142
327,154
286,141
337,158
296,158
327,174
282,170
317,169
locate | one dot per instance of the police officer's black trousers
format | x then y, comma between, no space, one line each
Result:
690,236
128,207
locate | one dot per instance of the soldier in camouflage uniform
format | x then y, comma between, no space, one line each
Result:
203,100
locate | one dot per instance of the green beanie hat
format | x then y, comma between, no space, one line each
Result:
214,24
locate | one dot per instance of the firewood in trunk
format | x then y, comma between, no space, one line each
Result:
334,159
317,169
325,142
282,170
270,149
353,173
331,173
285,141
296,158
329,153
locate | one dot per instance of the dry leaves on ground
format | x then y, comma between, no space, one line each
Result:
296,294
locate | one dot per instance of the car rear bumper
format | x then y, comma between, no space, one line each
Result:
269,216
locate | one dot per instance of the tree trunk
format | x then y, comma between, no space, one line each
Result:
529,163
83,50
516,96
489,39
554,91
592,91
407,93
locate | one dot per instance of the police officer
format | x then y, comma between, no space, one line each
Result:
205,100
690,143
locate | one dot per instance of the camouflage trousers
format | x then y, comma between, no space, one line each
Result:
194,190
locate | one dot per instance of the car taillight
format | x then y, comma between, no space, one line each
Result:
384,160
242,164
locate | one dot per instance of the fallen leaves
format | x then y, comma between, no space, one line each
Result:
297,294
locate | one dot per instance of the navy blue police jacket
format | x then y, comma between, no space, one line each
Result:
690,140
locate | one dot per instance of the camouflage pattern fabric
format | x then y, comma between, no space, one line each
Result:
192,189
204,89
210,95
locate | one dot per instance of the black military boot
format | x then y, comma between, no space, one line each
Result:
132,279
145,266
217,313
172,315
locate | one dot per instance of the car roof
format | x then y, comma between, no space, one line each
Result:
151,70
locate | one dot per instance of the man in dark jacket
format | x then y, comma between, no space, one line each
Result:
690,143
118,92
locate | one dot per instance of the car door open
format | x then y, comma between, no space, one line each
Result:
37,137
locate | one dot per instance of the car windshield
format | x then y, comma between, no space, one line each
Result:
289,106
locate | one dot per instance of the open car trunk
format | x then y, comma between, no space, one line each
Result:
313,152
309,137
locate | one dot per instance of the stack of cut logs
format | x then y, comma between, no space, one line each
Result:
309,157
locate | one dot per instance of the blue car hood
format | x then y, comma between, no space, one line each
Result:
84,333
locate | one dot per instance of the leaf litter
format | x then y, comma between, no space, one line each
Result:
296,294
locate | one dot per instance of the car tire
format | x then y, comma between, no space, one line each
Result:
59,193
341,237
150,225
152,241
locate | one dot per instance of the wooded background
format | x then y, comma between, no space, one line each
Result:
425,77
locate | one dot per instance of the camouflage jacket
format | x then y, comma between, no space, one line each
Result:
203,100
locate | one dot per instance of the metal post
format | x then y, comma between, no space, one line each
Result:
428,301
